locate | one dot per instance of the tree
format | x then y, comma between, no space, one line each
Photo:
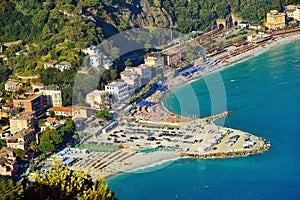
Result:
33,146
128,63
2,143
20,153
8,190
62,183
103,114
190,53
46,147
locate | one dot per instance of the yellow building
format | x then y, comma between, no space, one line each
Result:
22,121
153,59
275,20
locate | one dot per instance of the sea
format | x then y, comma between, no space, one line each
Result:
263,94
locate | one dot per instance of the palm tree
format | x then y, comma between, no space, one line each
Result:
32,146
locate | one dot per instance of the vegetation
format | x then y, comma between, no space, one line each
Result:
103,114
20,153
199,14
58,183
144,90
8,190
2,143
51,138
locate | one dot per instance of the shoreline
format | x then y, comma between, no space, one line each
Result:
238,59
219,149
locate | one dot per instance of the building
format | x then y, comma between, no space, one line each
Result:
132,79
61,111
119,90
91,51
257,27
30,103
95,61
12,85
153,59
145,73
23,120
259,37
52,96
5,111
275,20
172,59
243,24
59,65
52,123
63,65
21,139
50,64
83,112
293,11
98,99
2,48
8,164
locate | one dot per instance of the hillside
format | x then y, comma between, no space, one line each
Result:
57,30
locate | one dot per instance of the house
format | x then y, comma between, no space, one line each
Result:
119,90
95,61
50,64
61,111
8,164
59,65
30,103
293,11
275,20
98,99
63,65
91,51
52,96
23,120
12,85
52,123
22,139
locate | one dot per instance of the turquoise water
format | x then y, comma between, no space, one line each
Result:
264,95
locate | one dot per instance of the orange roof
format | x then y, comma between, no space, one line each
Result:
61,109
52,120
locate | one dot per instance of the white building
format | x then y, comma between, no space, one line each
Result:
95,61
63,65
52,96
293,11
118,89
98,99
91,51
12,85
